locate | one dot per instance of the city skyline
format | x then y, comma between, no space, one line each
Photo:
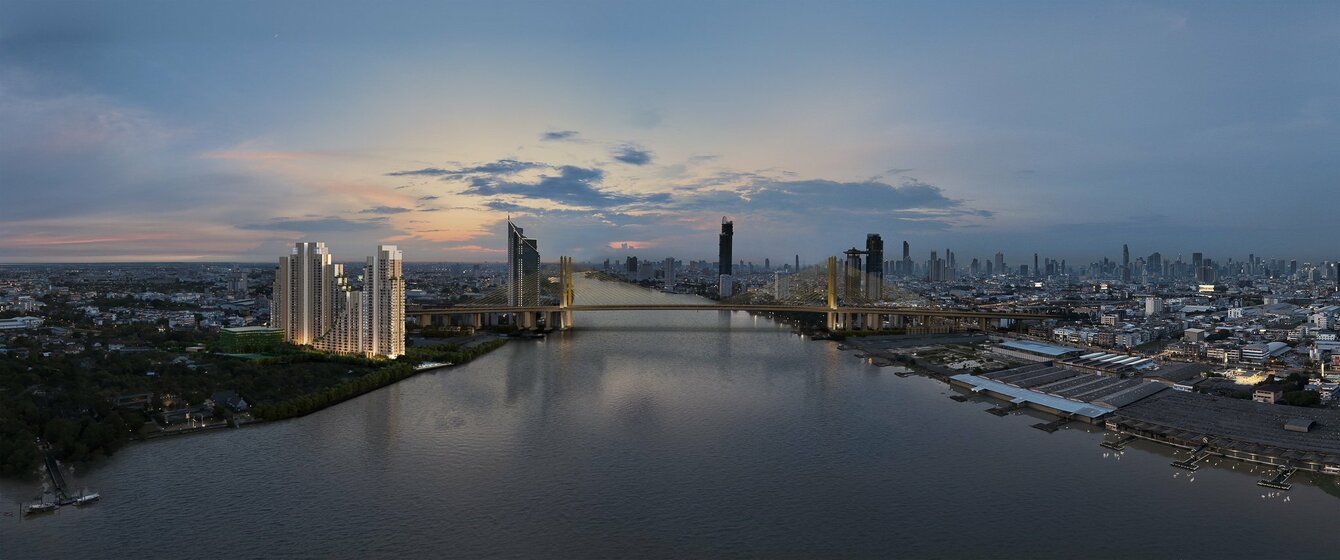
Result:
198,133
693,279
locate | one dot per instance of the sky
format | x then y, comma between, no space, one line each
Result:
227,131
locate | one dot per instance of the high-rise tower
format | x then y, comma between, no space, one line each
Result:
304,292
907,260
1125,263
384,303
874,266
314,303
523,268
724,244
851,273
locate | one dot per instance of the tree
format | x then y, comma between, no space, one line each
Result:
1302,398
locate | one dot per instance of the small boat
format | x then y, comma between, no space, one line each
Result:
87,500
44,507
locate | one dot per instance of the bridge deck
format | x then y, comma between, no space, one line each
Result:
903,311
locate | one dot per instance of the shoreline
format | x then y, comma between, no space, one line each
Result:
414,371
1109,424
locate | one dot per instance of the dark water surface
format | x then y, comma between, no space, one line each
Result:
709,436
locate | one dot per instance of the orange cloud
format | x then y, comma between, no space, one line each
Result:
40,239
475,249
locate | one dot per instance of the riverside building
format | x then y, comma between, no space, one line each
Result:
315,304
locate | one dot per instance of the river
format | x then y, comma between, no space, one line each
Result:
667,434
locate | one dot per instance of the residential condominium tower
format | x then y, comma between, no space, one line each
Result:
384,303
315,305
303,293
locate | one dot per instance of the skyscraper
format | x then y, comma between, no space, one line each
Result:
1125,263
874,266
315,305
852,273
384,303
724,257
669,272
304,289
1000,263
523,268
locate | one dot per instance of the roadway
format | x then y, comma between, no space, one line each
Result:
777,308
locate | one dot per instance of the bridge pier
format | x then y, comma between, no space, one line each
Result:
558,320
837,318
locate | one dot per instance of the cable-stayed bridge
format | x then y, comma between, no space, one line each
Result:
840,295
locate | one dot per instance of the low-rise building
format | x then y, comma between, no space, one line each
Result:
1268,394
20,323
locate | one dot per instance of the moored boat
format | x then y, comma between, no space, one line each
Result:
44,507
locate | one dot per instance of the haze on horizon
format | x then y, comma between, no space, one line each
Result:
139,131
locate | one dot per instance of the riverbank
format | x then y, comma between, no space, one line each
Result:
1247,431
400,370
301,405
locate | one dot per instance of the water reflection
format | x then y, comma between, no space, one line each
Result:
684,441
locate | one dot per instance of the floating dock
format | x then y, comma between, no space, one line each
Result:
1279,482
1198,455
1052,426
1118,444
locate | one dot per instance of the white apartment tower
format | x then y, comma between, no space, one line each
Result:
314,303
384,303
303,288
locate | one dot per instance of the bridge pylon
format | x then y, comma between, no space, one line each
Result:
833,320
565,294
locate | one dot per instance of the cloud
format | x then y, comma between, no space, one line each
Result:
632,154
572,186
317,225
502,206
386,210
500,167
899,170
810,195
558,135
476,249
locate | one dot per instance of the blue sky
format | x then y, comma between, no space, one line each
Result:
227,131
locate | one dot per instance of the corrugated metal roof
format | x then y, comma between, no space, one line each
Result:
1074,407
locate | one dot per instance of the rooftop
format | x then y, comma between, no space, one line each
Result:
1038,348
1024,395
243,330
1236,423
